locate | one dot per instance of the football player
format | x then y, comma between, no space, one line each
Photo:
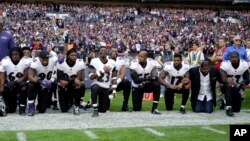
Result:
144,79
14,72
103,74
235,75
71,81
40,79
171,77
122,83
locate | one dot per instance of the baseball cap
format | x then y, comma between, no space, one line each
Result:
44,54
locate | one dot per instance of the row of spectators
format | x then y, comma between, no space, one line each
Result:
127,28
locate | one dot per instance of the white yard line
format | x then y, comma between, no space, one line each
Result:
21,136
245,110
153,131
54,119
90,134
214,130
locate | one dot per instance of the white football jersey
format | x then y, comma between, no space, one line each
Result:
13,72
52,53
54,74
232,72
43,72
142,72
71,72
28,60
119,63
103,81
175,76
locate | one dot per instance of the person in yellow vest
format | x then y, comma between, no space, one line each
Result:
195,57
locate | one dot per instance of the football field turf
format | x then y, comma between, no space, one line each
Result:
119,126
170,133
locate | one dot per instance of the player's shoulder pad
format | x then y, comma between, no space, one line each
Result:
150,59
33,64
111,60
94,60
80,60
185,62
134,60
7,57
119,58
168,63
34,60
6,60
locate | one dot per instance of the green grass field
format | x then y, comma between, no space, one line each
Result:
117,103
173,133
176,133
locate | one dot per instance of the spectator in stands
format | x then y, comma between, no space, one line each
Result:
165,56
248,51
127,59
216,60
219,53
81,54
6,41
195,57
238,47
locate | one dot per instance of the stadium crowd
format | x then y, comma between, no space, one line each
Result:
124,27
90,33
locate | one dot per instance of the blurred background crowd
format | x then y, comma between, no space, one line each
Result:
128,28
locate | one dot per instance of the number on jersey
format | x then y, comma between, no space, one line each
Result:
176,80
12,78
42,76
146,75
103,78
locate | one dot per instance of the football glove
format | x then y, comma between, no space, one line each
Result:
60,59
46,84
112,95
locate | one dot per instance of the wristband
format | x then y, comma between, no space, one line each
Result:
98,73
114,86
90,74
114,78
119,80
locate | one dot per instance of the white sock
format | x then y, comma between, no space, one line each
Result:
228,107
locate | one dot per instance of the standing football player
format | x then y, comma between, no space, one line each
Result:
122,83
145,79
71,82
103,74
171,77
40,79
13,70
